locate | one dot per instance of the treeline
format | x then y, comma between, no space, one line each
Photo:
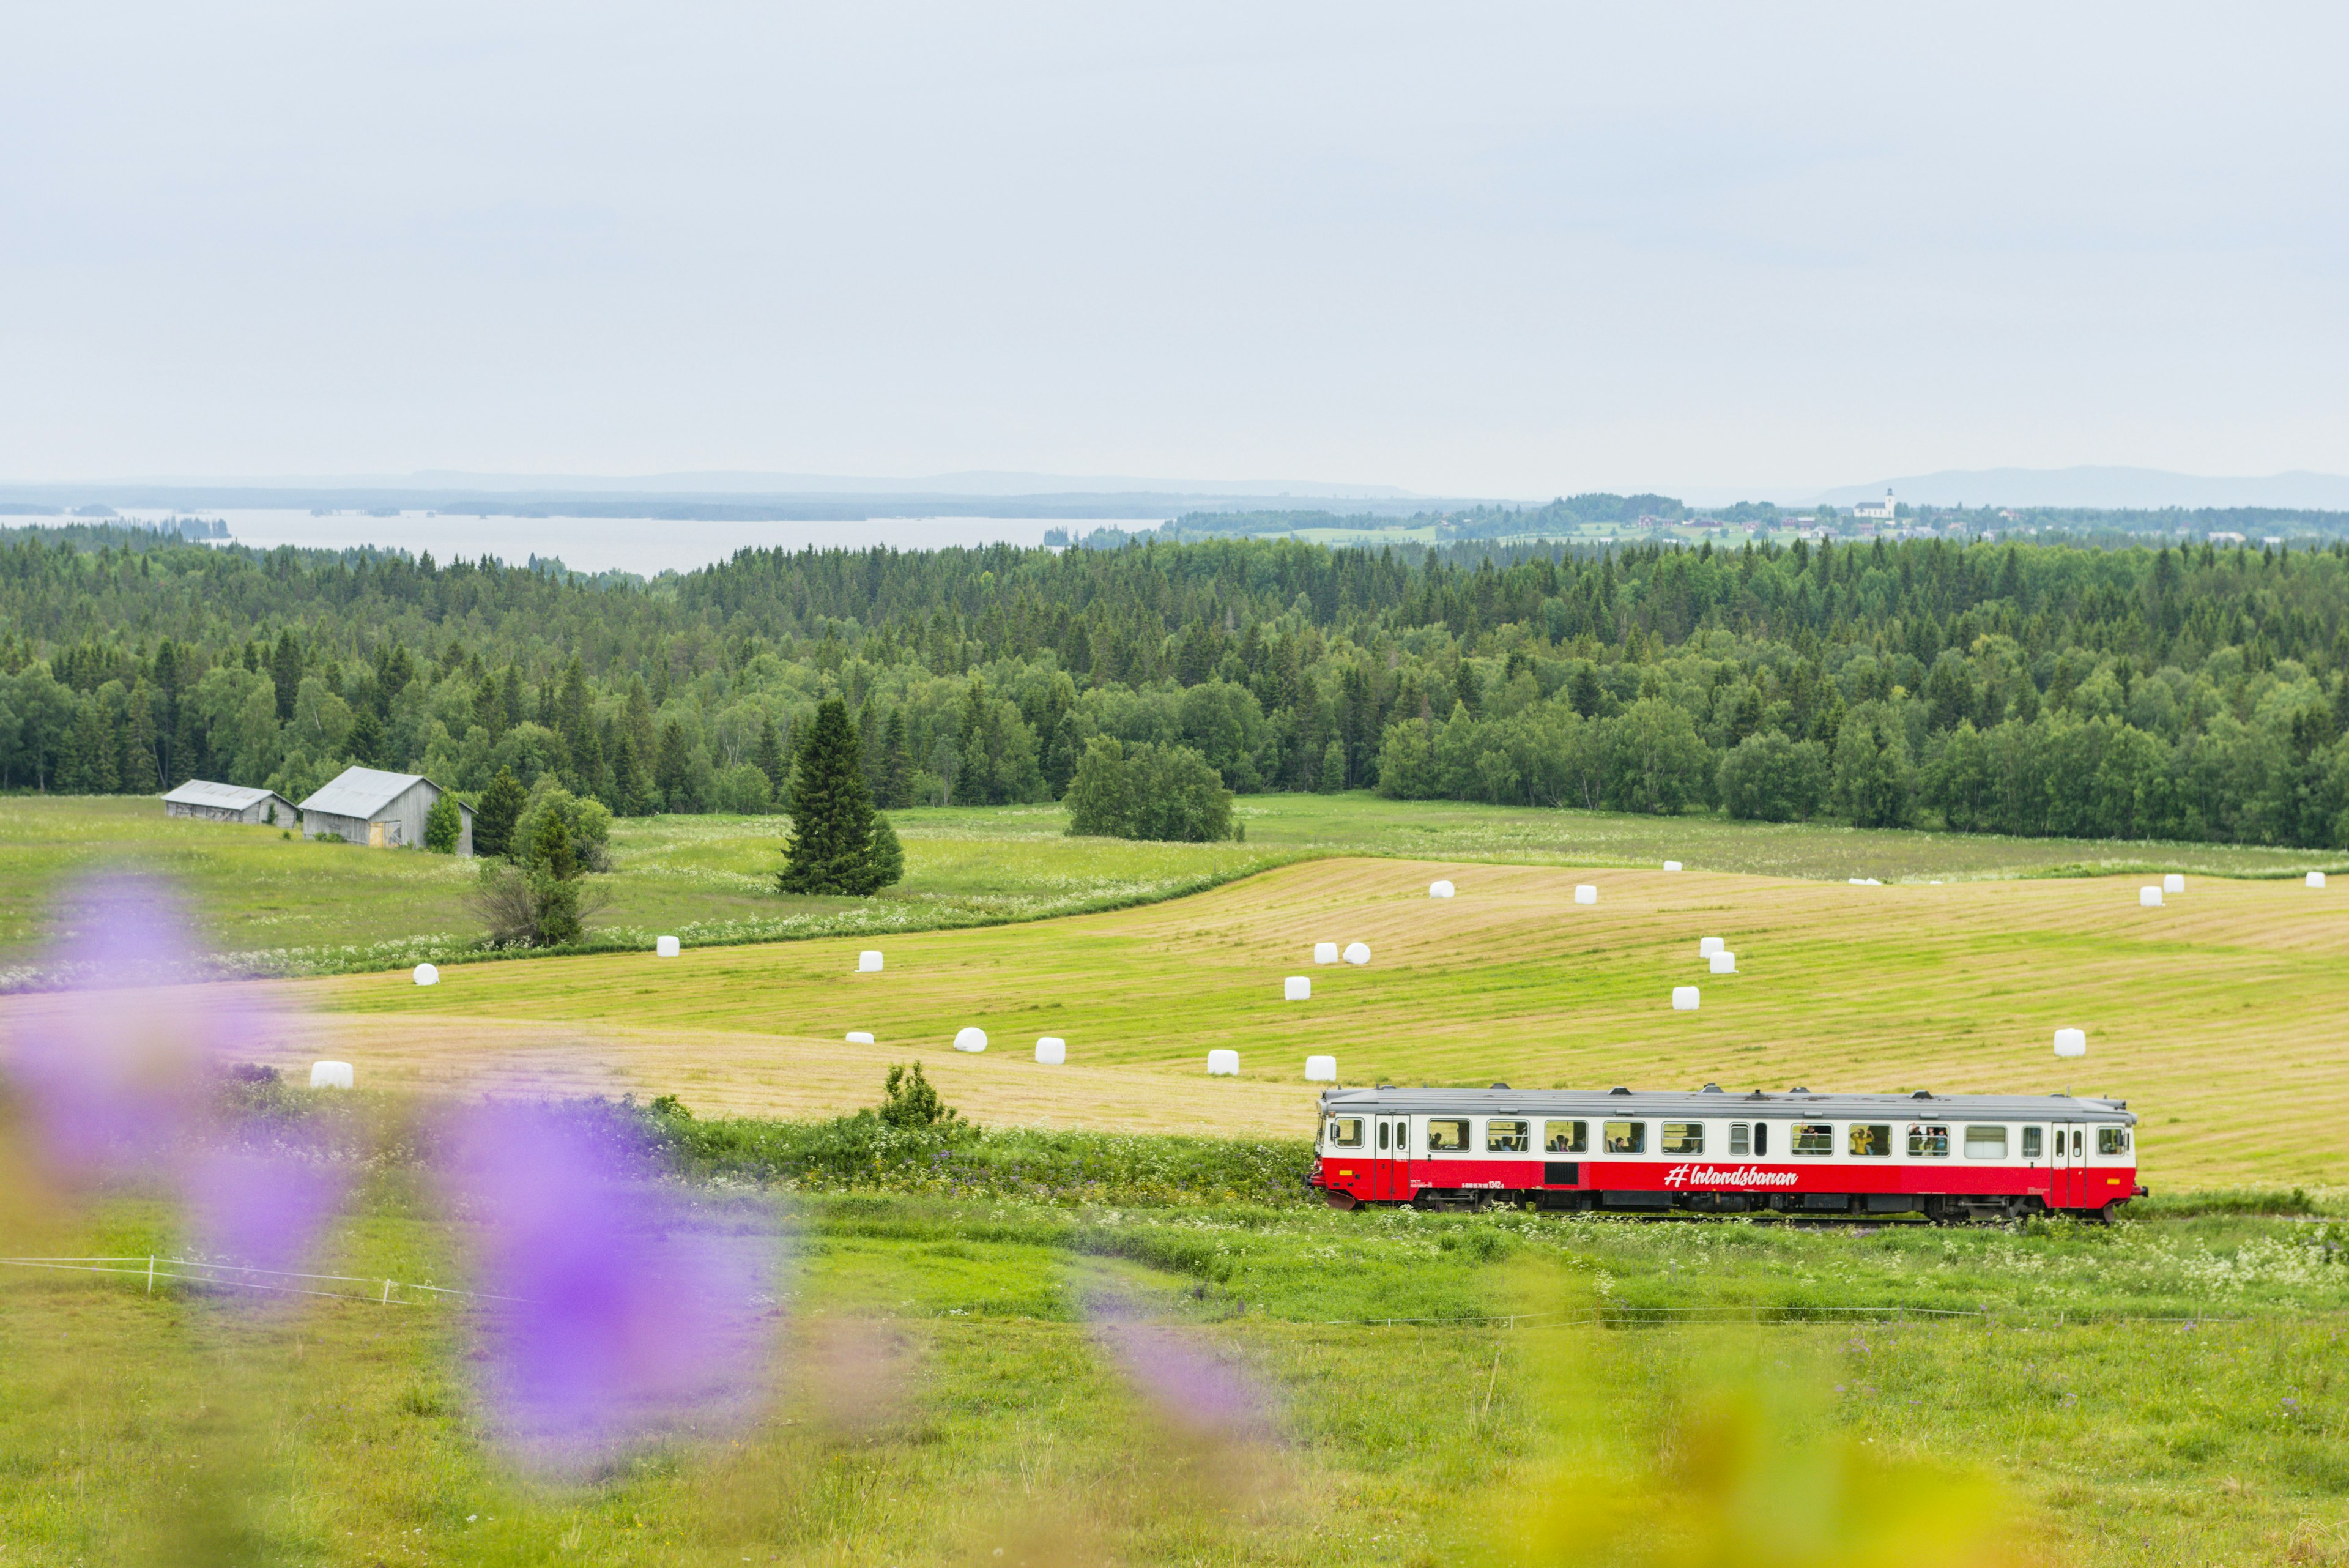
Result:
2195,692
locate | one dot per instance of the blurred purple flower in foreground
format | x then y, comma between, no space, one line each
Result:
263,1210
1179,1375
110,1070
615,1310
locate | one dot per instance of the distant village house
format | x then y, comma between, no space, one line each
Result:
208,802
381,810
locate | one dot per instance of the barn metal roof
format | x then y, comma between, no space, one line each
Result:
226,796
361,792
1790,1106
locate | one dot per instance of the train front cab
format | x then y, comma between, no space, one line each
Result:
1940,1161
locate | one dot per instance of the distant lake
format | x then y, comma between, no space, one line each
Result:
647,546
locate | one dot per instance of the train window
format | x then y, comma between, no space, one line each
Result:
1869,1140
1447,1136
1382,1134
1985,1143
1566,1137
1927,1142
2111,1140
1814,1138
1626,1137
1345,1132
1506,1138
1681,1137
2076,1143
1740,1138
1760,1139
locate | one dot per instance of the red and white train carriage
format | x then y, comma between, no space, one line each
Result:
1947,1156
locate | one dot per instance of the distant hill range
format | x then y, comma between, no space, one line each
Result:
2119,488
728,496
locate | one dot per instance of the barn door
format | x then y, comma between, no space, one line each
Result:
374,835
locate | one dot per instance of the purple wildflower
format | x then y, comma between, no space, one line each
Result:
613,1310
1198,1389
262,1209
109,1069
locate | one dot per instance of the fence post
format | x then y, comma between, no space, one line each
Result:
150,1273
387,1294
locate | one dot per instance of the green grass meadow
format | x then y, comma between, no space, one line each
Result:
274,904
1436,1389
2157,1392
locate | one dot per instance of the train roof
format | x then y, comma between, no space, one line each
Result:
1713,1102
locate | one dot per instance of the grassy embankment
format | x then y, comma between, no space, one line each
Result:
937,1395
279,906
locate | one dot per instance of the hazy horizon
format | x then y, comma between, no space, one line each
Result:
1514,252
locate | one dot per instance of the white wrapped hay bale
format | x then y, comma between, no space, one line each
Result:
1325,952
665,947
2316,879
1684,999
1051,1050
2071,1043
860,1037
1297,988
869,961
1584,893
1223,1064
1708,946
1320,1069
2149,898
1671,864
427,974
1724,962
2173,883
1439,890
330,1075
1357,952
970,1040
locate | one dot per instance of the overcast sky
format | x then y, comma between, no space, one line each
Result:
1481,250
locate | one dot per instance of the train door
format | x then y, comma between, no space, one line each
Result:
2064,1166
1390,1170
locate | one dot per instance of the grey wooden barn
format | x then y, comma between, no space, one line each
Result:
210,801
381,810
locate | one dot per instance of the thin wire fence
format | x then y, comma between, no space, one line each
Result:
233,1276
1757,1312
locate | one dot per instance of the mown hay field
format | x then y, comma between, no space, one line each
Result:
2219,1017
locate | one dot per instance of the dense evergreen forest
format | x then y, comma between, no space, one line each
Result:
2190,692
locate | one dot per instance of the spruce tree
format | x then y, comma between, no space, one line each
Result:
629,782
365,741
671,772
286,673
768,757
495,818
141,775
831,847
896,766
